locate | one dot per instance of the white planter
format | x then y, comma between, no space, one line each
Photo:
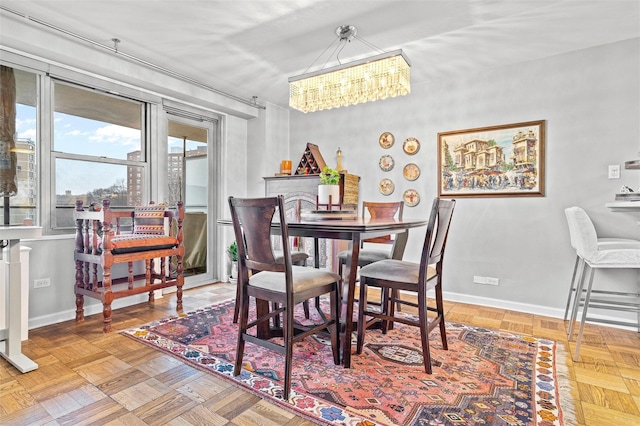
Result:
234,272
324,191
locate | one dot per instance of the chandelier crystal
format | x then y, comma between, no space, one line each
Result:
377,77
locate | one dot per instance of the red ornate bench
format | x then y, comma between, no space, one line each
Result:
101,244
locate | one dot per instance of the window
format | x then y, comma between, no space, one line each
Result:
22,206
98,150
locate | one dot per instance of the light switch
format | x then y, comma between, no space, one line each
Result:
614,171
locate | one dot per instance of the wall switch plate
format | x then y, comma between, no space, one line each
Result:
614,171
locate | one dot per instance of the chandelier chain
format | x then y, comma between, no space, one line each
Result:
320,55
369,44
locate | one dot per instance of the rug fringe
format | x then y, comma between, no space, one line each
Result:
567,404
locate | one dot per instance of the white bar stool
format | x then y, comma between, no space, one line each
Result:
595,256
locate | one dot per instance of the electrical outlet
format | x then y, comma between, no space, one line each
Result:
614,171
43,282
493,281
486,280
479,280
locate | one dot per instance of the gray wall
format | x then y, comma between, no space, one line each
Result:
590,101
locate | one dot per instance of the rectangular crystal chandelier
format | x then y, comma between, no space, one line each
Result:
377,77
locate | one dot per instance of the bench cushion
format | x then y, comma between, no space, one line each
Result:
129,243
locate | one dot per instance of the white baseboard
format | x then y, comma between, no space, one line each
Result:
531,309
91,309
96,308
504,304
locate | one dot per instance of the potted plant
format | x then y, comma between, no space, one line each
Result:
329,186
232,253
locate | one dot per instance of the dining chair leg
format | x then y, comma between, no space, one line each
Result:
388,306
572,289
362,324
236,308
336,308
242,328
576,355
288,350
276,319
305,308
424,331
395,294
440,312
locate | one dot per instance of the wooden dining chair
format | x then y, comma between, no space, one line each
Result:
394,275
394,246
389,247
284,284
298,258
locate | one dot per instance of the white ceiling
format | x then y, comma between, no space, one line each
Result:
250,48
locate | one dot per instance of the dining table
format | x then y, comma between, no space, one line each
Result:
354,230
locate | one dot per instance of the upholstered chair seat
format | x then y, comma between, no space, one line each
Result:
365,257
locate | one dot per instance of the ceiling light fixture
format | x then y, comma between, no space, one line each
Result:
381,76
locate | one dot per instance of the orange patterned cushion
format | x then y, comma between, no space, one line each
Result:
130,243
149,219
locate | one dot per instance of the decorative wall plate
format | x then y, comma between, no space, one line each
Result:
411,171
411,197
386,140
386,186
386,163
411,146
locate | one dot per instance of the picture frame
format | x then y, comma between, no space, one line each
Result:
497,161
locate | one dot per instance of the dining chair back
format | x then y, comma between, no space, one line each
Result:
389,248
280,285
378,210
394,275
297,258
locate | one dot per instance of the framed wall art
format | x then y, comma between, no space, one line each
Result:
496,161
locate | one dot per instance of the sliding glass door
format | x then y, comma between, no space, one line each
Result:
189,181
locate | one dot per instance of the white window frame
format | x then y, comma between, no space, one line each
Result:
49,152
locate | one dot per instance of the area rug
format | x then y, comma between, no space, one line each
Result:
485,378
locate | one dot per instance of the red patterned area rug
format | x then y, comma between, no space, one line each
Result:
485,378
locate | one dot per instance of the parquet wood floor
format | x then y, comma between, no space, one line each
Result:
87,377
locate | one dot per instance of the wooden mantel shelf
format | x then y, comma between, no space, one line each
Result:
290,184
316,177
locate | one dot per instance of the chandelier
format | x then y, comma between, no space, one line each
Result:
381,76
